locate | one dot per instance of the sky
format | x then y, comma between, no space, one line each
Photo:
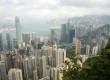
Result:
37,14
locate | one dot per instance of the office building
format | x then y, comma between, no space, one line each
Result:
18,29
71,35
55,35
34,36
63,33
26,38
1,42
9,42
68,32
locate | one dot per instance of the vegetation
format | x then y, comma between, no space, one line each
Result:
70,50
96,68
73,71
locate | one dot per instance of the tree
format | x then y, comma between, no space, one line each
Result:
73,70
96,68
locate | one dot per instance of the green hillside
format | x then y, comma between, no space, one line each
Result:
96,68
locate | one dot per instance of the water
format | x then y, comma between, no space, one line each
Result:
39,30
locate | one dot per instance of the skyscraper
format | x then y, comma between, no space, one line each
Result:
1,42
55,35
9,44
71,35
63,33
26,38
18,29
68,32
43,66
34,36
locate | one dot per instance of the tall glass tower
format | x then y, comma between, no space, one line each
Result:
1,42
18,29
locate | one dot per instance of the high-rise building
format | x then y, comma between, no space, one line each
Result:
29,64
27,68
0,77
26,38
34,36
1,42
9,63
67,30
63,33
60,56
3,74
54,74
71,35
44,63
55,35
35,74
33,62
15,74
15,44
70,31
27,50
77,47
9,42
18,29
54,52
87,50
94,50
40,67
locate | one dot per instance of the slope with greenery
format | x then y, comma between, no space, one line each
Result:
96,68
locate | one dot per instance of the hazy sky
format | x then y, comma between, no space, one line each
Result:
39,12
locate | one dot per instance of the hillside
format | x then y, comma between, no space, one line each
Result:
102,31
96,68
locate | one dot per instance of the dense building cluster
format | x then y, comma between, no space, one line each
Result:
31,57
88,34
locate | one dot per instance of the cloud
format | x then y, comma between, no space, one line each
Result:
86,3
38,12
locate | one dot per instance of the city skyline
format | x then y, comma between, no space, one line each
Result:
28,56
38,14
54,39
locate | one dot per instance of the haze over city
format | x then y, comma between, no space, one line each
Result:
39,13
54,40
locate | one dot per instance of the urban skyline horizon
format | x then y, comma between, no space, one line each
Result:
45,30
